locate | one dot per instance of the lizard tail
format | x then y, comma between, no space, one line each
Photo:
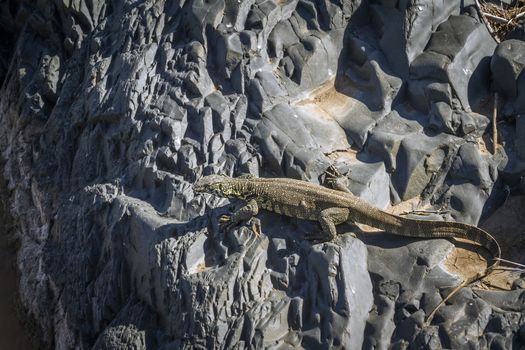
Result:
443,229
431,229
438,229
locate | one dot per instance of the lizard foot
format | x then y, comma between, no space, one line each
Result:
225,222
334,179
332,172
256,229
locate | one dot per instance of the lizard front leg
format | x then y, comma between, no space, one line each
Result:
336,180
329,218
243,214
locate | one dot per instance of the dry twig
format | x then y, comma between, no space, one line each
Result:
501,20
495,124
485,20
510,262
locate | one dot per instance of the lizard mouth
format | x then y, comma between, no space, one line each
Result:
200,185
204,185
205,189
208,184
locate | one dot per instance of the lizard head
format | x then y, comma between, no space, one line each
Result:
219,185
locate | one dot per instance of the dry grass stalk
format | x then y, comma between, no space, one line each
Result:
495,125
502,20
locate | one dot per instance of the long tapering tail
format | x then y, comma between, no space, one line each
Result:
445,229
434,229
431,229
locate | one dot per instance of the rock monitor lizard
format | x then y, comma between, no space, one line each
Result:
329,207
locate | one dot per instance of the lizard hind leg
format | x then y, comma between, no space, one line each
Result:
330,217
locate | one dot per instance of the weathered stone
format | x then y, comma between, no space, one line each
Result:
386,138
368,181
519,142
230,53
430,65
519,102
287,145
466,202
419,158
406,28
470,166
109,112
443,118
473,123
458,53
469,71
506,65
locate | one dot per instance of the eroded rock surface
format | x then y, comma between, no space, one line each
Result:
110,111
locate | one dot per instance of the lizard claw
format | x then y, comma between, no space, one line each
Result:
225,222
256,229
331,181
332,172
334,179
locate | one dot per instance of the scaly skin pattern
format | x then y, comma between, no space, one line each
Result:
329,207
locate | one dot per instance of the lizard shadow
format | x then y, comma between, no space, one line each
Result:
222,242
385,240
215,247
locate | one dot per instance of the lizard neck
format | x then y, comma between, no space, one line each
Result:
248,189
240,188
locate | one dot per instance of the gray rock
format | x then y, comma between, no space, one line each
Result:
519,104
287,145
423,93
119,335
235,13
406,28
357,126
417,94
326,132
506,65
368,181
443,118
269,84
367,81
469,71
229,53
474,124
393,41
519,142
472,167
208,12
419,159
430,65
451,35
398,293
466,202
458,53
519,283
110,112
386,138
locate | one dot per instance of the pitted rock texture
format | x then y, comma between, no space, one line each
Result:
110,111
